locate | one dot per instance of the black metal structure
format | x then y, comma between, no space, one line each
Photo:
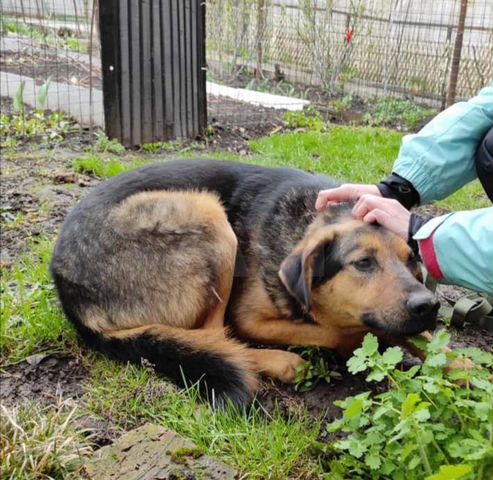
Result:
153,60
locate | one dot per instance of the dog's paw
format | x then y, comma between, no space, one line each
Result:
283,365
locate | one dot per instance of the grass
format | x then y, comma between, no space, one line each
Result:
351,154
31,319
105,168
41,443
256,443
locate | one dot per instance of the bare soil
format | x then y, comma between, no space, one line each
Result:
43,379
61,69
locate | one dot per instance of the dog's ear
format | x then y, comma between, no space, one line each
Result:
305,267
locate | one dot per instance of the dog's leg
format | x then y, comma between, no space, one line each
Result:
286,332
257,320
215,319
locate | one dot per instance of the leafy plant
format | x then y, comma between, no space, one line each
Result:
156,147
342,105
309,119
104,144
269,86
315,370
432,423
51,127
75,45
389,110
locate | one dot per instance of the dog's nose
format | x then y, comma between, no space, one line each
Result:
422,305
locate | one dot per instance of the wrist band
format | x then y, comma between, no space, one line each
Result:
399,189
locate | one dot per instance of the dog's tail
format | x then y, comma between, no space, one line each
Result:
220,366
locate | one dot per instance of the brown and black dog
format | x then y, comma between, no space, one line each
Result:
166,262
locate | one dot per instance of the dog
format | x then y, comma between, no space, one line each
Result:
186,264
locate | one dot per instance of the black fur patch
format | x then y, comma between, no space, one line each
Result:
327,264
184,365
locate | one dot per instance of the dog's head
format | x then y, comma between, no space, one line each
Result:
349,274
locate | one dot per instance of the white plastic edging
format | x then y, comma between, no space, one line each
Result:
257,98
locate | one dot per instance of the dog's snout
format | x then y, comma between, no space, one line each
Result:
422,306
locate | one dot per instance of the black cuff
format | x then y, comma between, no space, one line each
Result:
400,189
415,223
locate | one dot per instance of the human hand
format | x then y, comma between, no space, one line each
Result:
345,193
387,212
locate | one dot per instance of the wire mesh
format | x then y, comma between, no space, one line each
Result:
324,50
49,58
264,57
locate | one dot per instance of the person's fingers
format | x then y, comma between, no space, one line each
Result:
378,216
365,204
338,194
396,224
344,193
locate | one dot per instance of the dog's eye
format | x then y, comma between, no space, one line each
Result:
365,264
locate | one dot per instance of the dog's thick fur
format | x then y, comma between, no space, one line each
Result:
164,262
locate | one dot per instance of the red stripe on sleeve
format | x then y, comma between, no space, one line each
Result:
428,254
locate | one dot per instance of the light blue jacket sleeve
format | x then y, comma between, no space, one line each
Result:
458,248
439,159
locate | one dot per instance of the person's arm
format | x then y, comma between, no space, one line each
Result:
439,159
458,248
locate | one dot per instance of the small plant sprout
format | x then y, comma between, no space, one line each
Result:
43,92
19,98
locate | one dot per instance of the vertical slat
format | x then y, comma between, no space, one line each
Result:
157,76
110,48
176,52
188,69
182,69
146,71
195,67
126,123
136,87
201,61
169,118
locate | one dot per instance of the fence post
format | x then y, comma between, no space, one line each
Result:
454,71
154,75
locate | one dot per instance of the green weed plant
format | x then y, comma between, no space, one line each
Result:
431,424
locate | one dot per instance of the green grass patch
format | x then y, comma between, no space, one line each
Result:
31,318
258,444
355,154
350,154
106,168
